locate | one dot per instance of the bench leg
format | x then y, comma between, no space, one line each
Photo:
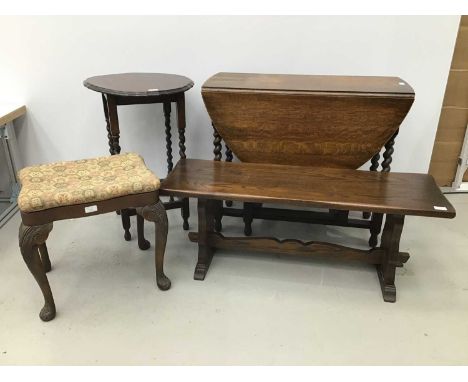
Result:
375,227
31,238
206,222
218,215
391,245
157,214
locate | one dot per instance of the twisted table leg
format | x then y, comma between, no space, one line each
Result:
185,210
374,167
218,155
229,157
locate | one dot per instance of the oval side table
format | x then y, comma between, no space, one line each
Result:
144,88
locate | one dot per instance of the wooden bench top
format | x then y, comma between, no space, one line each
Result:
342,189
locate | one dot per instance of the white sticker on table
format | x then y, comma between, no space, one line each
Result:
90,209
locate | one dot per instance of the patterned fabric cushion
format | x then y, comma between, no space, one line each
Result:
84,181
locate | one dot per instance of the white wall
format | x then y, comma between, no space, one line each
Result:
44,61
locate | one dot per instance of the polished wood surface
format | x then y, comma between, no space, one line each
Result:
341,189
139,84
78,210
324,121
327,251
386,258
35,228
144,88
296,83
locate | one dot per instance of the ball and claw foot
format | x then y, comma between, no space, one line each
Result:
47,313
163,282
186,225
248,230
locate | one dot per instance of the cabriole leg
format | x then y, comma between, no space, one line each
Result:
157,214
45,257
31,238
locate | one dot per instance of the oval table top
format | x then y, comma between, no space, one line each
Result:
139,84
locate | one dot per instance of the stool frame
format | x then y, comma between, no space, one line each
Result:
36,227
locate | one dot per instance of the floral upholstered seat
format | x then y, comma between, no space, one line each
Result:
82,188
84,181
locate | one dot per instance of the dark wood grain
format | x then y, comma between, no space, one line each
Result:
308,83
388,153
78,210
167,123
30,239
139,84
181,123
206,218
387,257
35,228
144,88
325,121
328,251
217,151
342,189
391,243
291,247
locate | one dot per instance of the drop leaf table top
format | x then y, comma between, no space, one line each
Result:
324,121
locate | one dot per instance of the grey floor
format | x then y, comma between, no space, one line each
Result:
251,308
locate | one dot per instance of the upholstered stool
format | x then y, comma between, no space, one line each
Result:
76,189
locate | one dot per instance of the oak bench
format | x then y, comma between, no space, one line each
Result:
393,194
